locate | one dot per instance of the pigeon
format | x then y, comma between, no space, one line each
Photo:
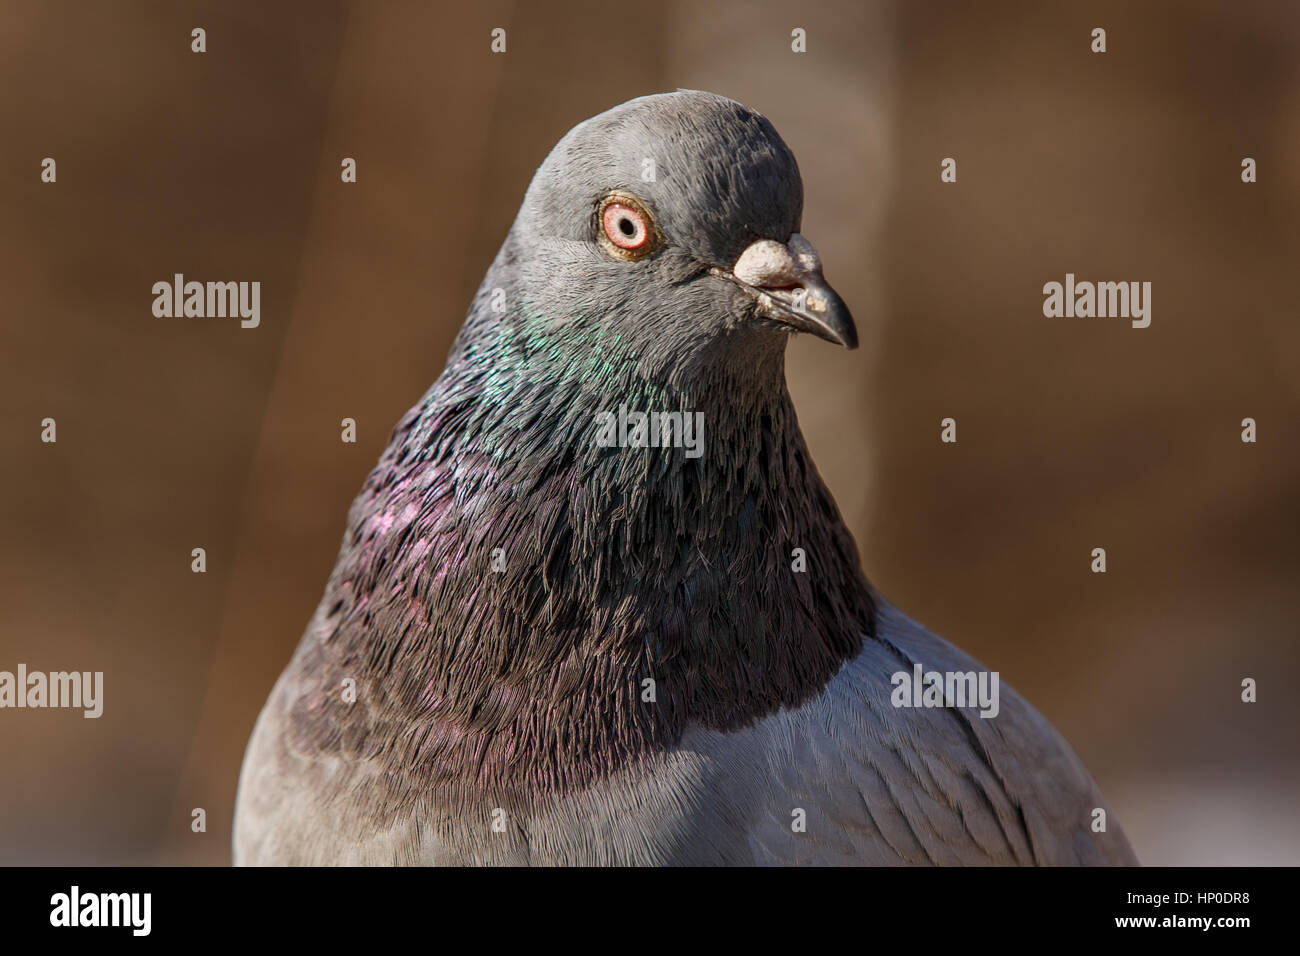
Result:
595,606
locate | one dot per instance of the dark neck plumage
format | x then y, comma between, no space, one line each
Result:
509,588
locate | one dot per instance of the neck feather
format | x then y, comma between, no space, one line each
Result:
526,608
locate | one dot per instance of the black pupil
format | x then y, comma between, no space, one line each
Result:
626,226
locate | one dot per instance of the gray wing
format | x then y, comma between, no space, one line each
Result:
881,785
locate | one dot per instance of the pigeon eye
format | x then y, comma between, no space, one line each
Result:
628,229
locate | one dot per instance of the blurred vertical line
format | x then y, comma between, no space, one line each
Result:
543,94
834,106
186,783
220,736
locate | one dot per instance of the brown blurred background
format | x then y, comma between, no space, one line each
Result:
1073,433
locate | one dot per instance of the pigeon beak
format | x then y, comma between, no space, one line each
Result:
787,283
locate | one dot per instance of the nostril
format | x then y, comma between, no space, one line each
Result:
767,264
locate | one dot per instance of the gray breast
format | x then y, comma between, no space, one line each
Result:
847,778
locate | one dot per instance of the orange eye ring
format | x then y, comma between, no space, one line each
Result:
627,230
624,226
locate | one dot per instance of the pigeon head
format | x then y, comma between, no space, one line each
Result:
673,220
